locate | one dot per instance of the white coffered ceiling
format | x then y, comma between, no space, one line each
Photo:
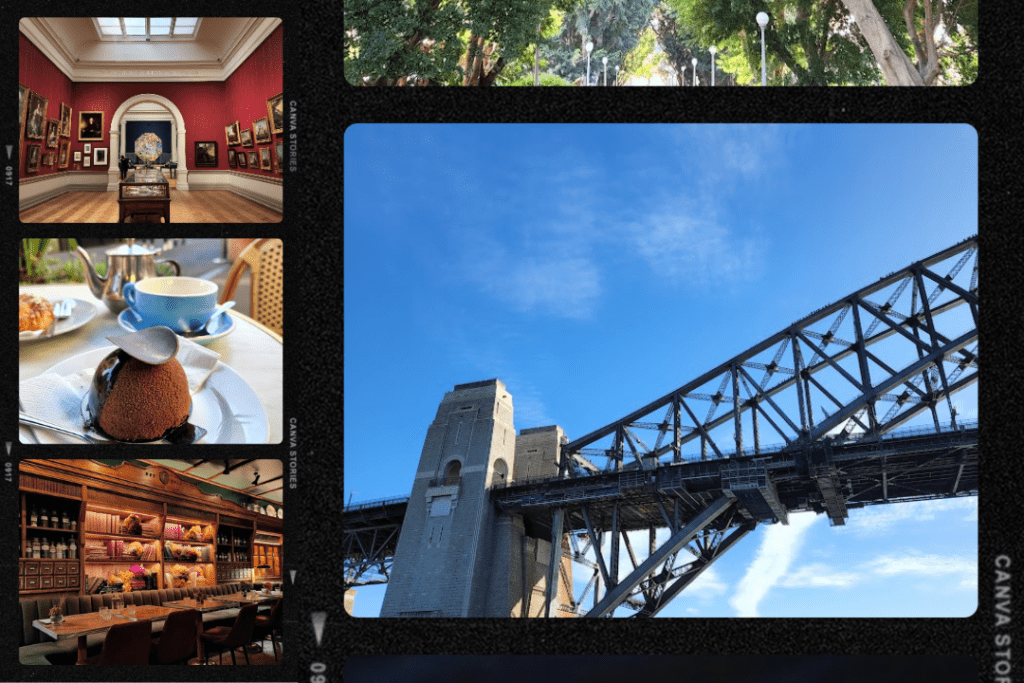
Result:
220,46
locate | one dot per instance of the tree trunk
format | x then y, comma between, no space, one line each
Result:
536,57
894,63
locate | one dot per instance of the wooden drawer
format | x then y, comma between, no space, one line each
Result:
60,567
31,583
46,581
60,581
32,567
73,581
46,566
73,567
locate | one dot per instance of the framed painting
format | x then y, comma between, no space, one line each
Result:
246,136
88,148
52,132
254,160
99,156
65,121
32,165
206,154
231,132
275,112
22,105
78,156
261,129
231,159
63,155
241,160
90,125
48,158
35,116
279,157
86,162
265,158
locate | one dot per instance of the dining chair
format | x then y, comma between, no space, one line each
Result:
265,257
177,642
125,644
228,638
268,625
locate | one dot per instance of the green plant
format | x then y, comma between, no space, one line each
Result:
35,267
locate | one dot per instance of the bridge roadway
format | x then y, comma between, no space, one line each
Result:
826,477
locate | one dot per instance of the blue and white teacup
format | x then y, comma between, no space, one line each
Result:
183,304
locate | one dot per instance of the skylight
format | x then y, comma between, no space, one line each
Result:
147,28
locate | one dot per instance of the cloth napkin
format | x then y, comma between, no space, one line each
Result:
58,399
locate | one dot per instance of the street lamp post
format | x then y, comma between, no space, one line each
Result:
712,50
762,21
605,61
694,62
590,46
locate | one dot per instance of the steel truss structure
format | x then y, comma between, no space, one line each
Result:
857,399
370,536
872,362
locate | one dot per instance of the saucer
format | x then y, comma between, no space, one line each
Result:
222,326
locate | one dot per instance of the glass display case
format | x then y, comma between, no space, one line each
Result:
144,192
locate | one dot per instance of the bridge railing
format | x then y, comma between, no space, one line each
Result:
773,448
380,502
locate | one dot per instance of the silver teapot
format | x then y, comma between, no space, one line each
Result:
125,263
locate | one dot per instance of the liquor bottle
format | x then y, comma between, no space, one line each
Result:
36,549
44,548
65,523
73,550
62,550
74,524
34,517
44,519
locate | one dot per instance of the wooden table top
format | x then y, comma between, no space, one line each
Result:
250,598
210,605
75,625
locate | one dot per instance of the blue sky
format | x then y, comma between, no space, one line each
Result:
594,268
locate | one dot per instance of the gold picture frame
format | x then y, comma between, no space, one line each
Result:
65,121
231,133
65,145
35,116
52,134
245,135
265,158
254,160
279,157
261,131
23,92
275,113
32,153
90,125
49,158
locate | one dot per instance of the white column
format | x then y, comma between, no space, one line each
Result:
113,172
182,171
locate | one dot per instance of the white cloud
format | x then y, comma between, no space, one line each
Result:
880,519
778,549
820,576
921,565
706,586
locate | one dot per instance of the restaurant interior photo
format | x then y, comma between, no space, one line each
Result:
151,119
150,340
151,562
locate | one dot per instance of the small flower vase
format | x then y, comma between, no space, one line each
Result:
57,618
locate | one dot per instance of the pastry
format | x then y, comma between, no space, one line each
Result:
135,401
34,313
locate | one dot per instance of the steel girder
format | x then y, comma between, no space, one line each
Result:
868,363
369,538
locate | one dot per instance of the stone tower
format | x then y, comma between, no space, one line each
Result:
458,555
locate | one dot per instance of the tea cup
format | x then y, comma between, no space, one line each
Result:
183,304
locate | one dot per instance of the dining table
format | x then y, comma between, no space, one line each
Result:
81,625
207,605
252,351
249,598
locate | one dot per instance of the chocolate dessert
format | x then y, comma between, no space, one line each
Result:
135,401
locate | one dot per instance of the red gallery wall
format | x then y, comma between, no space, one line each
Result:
206,107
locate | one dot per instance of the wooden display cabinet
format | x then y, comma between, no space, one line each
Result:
144,192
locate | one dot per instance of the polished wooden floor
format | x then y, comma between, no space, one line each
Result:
204,206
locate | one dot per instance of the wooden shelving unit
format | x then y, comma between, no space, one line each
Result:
49,574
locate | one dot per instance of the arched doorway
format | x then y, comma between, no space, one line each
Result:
113,174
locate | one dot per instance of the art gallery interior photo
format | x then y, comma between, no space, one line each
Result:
151,119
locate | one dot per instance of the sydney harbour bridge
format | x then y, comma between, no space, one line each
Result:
857,402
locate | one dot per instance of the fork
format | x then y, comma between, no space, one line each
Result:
63,309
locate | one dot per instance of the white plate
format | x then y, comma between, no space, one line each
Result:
280,513
222,325
226,407
82,313
270,511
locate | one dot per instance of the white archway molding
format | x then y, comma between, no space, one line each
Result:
114,174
